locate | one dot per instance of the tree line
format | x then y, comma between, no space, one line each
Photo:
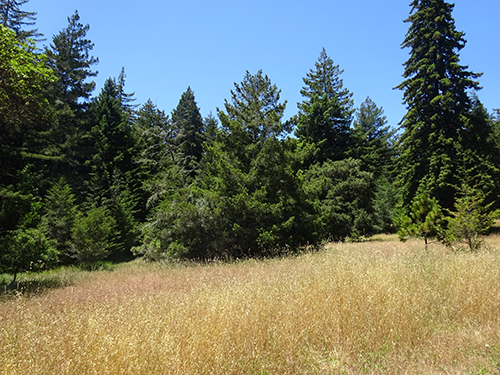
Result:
85,178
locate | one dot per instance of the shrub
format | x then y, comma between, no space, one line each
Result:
26,250
93,236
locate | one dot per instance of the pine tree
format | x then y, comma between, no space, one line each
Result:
12,17
126,99
325,115
425,220
437,129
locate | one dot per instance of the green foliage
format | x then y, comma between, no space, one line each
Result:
93,236
12,17
61,212
188,128
340,193
438,128
325,115
372,139
24,113
69,57
471,218
26,250
386,203
247,203
425,220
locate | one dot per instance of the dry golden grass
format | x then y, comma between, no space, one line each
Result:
368,308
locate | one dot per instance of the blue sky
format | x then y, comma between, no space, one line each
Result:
166,46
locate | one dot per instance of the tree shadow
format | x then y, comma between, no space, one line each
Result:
30,287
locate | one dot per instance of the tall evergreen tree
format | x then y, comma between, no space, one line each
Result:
325,115
438,131
372,139
112,181
189,138
247,202
12,17
70,59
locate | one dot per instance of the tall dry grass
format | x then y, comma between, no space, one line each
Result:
370,308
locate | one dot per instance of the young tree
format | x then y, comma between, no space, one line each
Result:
325,115
12,17
26,250
472,216
437,129
426,220
92,236
60,215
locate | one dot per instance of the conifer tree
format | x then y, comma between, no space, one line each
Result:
188,127
112,183
12,17
60,215
70,59
471,218
325,115
437,129
425,220
372,139
247,202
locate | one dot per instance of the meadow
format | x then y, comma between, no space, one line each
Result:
378,307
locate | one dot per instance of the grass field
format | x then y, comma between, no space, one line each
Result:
379,307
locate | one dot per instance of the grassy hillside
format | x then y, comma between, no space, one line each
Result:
370,308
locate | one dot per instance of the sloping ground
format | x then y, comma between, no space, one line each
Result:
374,307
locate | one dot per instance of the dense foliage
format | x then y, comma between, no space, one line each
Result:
85,178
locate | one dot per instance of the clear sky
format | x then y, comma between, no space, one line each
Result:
166,46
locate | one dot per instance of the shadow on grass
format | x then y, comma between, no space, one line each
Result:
31,286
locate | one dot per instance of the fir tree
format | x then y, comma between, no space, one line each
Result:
188,127
60,215
112,181
126,99
471,218
325,115
12,17
437,129
70,59
372,139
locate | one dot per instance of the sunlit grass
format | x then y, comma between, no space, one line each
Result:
376,307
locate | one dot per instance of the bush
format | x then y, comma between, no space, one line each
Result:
93,235
26,250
